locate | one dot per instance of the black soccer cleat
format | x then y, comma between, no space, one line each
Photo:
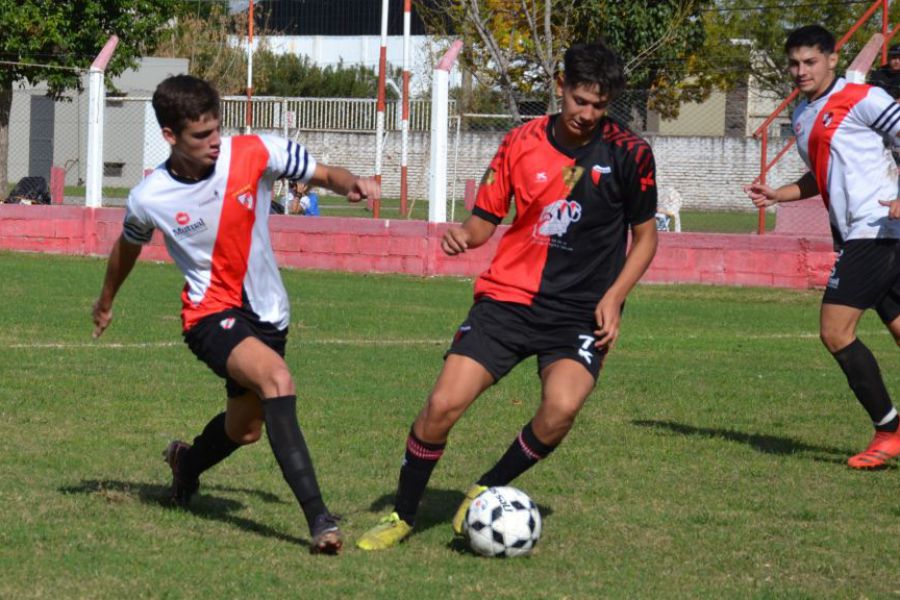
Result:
326,536
183,488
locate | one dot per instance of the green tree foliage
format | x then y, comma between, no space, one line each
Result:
746,37
660,43
64,38
291,75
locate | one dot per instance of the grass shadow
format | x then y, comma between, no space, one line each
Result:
763,443
203,505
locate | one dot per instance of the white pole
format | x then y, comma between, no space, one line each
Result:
248,115
404,122
440,97
96,104
380,106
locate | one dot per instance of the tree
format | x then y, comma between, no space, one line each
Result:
745,38
55,42
518,45
510,45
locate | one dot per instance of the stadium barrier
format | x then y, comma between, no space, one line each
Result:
413,247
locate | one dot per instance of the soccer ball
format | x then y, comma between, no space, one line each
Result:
503,522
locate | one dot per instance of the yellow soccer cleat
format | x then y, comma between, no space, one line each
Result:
389,532
459,519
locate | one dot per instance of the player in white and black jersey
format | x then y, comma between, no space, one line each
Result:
840,129
210,200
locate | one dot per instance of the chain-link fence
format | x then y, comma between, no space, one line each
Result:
702,158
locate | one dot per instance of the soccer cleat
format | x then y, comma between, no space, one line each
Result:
389,532
183,488
459,519
883,447
326,537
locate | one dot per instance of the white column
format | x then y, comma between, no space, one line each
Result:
440,99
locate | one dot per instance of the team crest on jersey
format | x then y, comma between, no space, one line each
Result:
827,118
489,176
540,177
227,324
597,172
798,128
556,218
247,200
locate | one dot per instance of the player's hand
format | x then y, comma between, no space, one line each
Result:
608,314
761,195
894,212
455,241
102,316
363,189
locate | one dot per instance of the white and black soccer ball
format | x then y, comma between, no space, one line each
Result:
503,522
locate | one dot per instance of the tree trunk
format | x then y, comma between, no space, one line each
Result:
6,90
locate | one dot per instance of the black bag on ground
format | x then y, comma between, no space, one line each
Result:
30,190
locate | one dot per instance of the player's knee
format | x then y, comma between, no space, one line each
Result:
244,433
442,410
834,340
278,382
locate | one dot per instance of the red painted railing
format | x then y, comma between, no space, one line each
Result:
762,133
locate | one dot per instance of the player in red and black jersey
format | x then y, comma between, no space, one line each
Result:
556,286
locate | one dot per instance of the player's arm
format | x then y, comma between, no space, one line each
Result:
644,239
345,183
764,196
474,232
121,260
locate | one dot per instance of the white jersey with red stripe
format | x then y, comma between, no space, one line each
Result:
841,138
216,229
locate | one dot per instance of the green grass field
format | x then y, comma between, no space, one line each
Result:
709,463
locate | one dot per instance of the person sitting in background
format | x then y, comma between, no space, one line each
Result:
887,77
303,200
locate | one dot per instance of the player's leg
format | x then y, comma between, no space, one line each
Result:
838,332
864,276
256,366
461,381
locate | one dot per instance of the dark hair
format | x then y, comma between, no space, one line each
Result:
595,63
184,98
810,36
894,50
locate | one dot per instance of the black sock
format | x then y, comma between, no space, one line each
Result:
864,377
418,463
525,452
292,454
210,448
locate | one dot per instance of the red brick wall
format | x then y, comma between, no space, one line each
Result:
413,247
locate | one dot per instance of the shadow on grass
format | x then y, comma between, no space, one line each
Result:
437,510
203,505
766,444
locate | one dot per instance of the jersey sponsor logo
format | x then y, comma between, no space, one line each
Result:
827,118
540,176
556,218
490,175
798,128
597,172
182,218
647,182
227,324
190,229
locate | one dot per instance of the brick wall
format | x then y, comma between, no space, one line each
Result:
413,247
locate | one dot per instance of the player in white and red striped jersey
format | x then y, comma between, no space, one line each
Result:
845,132
210,200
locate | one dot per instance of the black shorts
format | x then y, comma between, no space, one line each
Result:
866,274
214,337
500,335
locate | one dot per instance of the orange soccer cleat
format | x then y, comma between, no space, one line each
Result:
883,447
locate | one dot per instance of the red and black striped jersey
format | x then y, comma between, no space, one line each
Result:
573,208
